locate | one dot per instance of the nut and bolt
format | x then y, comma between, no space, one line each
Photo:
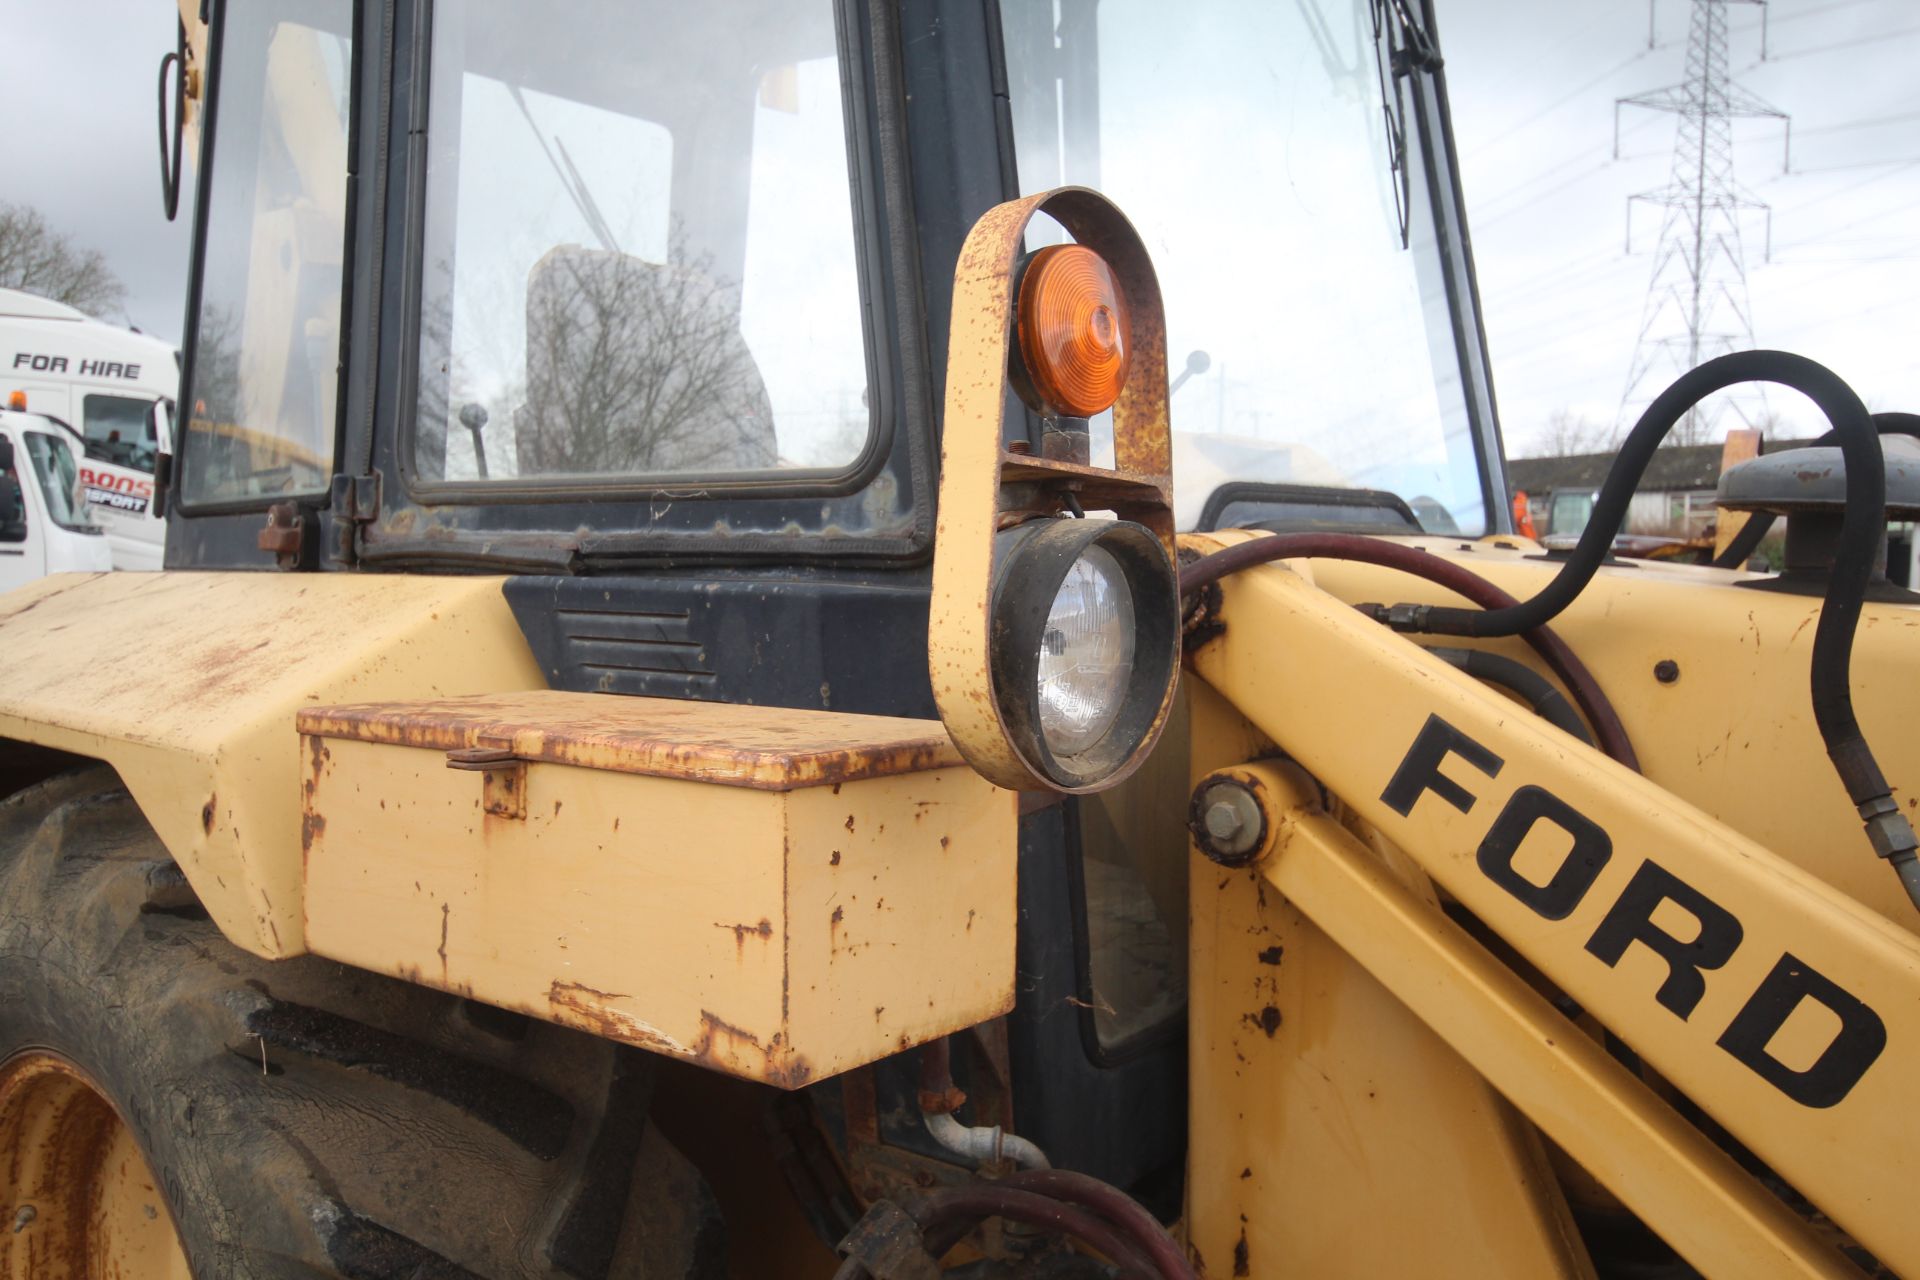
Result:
1227,821
1666,671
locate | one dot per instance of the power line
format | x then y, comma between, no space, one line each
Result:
1881,38
1541,114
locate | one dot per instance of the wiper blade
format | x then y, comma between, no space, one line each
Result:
570,180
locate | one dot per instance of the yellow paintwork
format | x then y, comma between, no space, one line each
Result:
780,895
188,683
1332,1133
1734,734
978,479
1296,661
1681,1185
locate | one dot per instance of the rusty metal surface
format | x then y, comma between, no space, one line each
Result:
890,1245
980,481
780,936
188,683
80,1201
770,748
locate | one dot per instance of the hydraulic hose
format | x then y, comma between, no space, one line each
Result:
1836,400
939,1100
946,1215
1609,733
985,1142
1520,679
1861,527
949,1213
1117,1207
1745,542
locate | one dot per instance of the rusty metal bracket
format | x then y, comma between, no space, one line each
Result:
889,1244
503,778
289,534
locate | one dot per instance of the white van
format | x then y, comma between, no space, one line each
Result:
100,383
46,525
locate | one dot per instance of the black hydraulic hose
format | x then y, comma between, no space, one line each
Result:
1745,542
1835,399
1854,557
1518,678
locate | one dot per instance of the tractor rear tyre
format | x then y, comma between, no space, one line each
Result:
168,1101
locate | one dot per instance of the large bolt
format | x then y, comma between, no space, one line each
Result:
1224,822
1227,821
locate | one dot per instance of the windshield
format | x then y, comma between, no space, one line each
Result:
119,430
266,340
59,478
1310,339
640,255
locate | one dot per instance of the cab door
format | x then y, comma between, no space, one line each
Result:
23,545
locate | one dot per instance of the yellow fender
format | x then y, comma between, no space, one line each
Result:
188,684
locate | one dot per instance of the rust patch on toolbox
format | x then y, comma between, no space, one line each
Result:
720,1046
769,748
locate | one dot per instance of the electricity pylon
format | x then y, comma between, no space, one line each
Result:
1697,297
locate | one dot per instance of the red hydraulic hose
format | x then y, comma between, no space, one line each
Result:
1113,1204
949,1213
1608,732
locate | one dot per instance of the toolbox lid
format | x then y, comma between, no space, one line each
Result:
768,748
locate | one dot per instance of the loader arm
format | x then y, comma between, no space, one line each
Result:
1781,1008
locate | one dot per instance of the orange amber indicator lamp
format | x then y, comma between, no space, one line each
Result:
1073,330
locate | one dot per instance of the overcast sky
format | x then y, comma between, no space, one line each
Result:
82,143
1533,90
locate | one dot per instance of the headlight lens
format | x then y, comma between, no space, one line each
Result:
1086,654
1085,635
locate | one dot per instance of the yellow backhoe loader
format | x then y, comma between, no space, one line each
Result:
714,711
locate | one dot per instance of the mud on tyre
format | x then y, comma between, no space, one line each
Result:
306,1119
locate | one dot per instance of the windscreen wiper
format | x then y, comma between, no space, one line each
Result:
570,180
1415,50
1402,44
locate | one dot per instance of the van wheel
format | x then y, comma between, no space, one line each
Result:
168,1101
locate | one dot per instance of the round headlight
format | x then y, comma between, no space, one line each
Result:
1085,645
1086,654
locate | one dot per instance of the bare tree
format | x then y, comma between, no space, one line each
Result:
36,258
635,367
1568,434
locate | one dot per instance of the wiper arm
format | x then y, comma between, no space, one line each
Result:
570,180
1416,51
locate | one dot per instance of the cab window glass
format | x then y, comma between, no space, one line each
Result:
118,430
640,252
1254,146
267,332
59,479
